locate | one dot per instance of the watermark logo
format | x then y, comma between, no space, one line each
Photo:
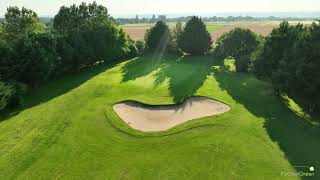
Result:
307,172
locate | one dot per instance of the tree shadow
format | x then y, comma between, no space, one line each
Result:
299,140
57,87
185,75
140,67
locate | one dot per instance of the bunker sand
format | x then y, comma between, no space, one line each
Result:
163,117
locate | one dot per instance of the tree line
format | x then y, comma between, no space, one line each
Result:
212,19
32,53
288,57
86,35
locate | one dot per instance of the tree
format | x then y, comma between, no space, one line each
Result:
158,37
39,60
76,18
290,59
195,39
237,43
153,19
8,64
240,44
136,20
162,18
20,22
276,45
177,33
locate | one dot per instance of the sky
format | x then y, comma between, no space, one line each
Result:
194,7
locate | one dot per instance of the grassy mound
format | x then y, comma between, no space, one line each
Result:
68,129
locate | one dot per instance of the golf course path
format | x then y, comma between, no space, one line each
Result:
163,117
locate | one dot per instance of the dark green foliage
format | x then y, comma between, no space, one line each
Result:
37,52
19,22
7,64
76,18
237,43
240,44
10,97
242,63
158,38
195,39
276,46
290,58
140,46
82,36
133,50
65,53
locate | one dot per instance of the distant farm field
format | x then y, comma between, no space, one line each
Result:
137,31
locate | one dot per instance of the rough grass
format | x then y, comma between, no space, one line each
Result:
69,131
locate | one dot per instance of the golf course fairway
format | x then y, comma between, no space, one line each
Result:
69,130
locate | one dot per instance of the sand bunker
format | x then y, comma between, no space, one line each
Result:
163,117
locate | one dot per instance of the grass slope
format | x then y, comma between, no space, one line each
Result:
69,131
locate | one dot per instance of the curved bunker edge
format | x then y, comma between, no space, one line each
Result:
154,118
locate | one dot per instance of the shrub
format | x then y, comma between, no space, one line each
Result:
140,46
10,96
158,38
195,39
242,63
133,50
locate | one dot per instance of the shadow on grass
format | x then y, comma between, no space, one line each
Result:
185,75
140,67
299,140
57,87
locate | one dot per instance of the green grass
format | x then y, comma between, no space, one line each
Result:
68,129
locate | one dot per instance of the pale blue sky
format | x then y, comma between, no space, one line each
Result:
122,7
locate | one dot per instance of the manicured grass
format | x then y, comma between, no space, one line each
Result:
69,131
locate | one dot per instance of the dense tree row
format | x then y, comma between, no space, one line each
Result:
31,54
289,57
163,18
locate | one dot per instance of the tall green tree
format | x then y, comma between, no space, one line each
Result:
238,43
19,22
177,33
158,37
38,56
276,46
76,18
195,39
